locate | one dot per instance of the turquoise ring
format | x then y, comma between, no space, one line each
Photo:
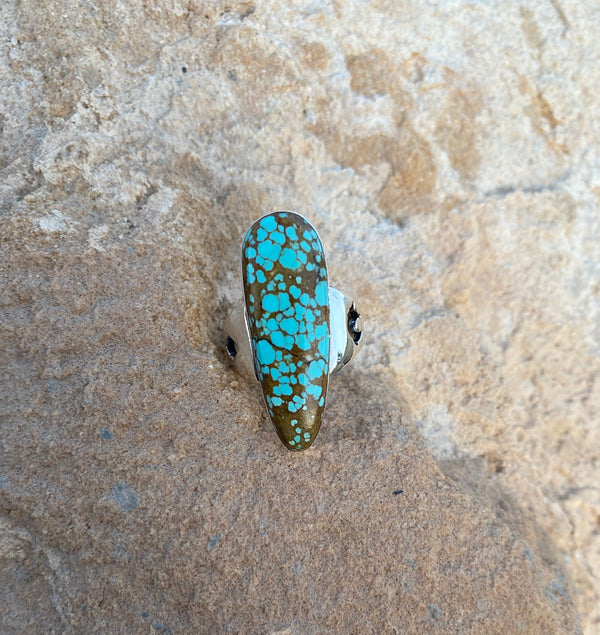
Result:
293,330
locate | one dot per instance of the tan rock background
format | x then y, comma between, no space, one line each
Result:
448,153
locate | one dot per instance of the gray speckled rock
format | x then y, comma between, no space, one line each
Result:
448,156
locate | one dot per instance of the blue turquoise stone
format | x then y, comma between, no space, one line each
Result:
287,304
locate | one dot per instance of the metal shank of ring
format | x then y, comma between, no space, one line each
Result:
345,340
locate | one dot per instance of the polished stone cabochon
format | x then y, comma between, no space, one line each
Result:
287,305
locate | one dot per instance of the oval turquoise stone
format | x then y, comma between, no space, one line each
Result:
287,305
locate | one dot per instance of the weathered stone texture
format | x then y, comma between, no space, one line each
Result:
448,154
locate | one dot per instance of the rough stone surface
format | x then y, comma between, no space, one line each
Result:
448,153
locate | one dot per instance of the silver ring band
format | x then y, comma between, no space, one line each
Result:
293,330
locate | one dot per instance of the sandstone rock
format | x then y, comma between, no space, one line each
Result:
448,155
